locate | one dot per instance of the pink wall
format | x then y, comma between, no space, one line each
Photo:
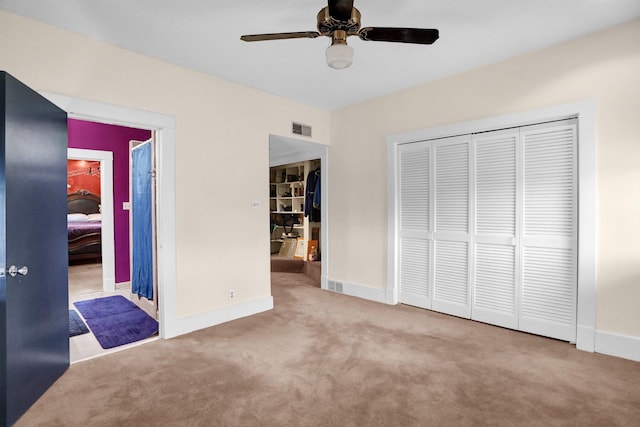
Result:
98,136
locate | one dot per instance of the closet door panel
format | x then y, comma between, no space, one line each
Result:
452,187
451,281
494,286
414,201
414,272
549,285
496,222
451,292
548,292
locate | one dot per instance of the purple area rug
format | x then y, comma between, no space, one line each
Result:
116,321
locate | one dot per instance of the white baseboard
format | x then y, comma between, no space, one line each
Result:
585,338
356,290
625,346
123,285
222,315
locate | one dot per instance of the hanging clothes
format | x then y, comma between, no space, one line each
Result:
312,196
316,193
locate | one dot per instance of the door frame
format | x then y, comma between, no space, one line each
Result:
106,201
587,204
165,130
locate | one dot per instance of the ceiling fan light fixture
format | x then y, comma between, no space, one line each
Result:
339,56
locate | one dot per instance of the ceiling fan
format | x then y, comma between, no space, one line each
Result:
340,20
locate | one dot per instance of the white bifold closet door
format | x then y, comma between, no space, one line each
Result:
451,291
487,227
415,227
497,201
433,189
549,242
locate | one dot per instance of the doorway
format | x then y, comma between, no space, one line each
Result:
85,167
165,133
311,156
110,166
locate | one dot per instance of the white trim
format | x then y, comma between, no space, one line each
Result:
164,126
392,290
222,315
625,346
106,201
587,225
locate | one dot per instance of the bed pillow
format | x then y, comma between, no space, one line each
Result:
77,217
96,217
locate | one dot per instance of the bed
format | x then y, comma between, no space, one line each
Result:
84,226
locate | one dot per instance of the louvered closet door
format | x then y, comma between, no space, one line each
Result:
415,237
549,252
494,287
451,291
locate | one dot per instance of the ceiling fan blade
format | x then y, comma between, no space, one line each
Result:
340,9
280,36
399,35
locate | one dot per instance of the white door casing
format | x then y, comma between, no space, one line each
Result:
164,127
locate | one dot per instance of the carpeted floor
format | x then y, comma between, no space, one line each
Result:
325,359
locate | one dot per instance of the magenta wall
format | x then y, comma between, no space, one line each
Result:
98,136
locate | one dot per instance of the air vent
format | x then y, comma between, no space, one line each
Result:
335,286
300,129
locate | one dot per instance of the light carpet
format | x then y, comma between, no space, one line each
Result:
325,359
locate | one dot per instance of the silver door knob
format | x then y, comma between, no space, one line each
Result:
13,271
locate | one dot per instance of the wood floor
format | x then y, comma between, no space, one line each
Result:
85,282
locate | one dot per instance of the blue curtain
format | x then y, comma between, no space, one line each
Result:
141,203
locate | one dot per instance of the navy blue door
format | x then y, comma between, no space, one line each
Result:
34,316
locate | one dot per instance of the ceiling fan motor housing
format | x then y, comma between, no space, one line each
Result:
327,25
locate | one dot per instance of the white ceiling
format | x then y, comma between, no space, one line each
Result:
205,35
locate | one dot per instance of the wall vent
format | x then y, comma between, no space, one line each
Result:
335,286
300,129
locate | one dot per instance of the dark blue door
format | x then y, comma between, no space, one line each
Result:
34,316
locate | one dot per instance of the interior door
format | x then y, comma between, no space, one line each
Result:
33,247
143,273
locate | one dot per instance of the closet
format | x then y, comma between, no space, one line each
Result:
487,227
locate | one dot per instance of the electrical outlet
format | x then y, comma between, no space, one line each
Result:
232,294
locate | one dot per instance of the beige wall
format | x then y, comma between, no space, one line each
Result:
222,156
604,67
219,123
